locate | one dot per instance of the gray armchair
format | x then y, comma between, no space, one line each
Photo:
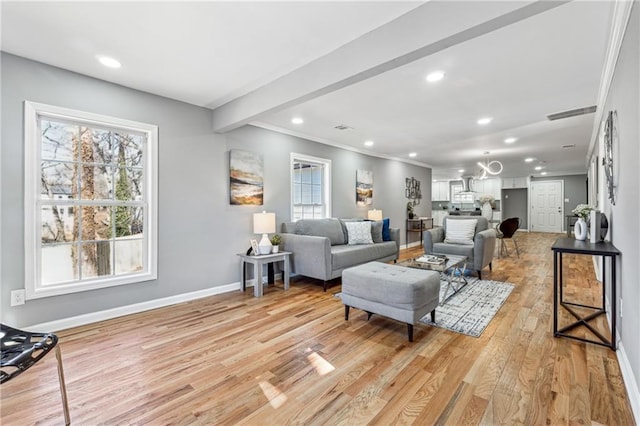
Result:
479,254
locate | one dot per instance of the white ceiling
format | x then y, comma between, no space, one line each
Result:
361,64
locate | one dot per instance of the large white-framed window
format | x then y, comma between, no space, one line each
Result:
310,187
90,201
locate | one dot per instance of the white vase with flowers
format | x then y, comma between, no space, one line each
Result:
485,201
580,229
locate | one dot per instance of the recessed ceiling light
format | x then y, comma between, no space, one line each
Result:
108,61
484,121
412,154
528,160
510,140
297,120
543,173
435,76
461,171
538,168
368,143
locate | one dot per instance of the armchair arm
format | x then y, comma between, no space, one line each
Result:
484,248
431,236
311,256
395,236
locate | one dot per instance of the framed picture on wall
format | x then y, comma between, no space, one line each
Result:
364,187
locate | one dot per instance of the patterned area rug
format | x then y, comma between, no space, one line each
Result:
472,308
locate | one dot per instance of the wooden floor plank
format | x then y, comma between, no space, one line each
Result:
291,358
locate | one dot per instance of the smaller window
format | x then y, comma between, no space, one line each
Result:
310,187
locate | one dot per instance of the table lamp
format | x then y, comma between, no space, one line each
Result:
264,223
375,214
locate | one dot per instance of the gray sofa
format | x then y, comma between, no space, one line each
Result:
479,254
319,247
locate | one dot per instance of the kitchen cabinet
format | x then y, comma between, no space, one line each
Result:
489,186
438,217
440,191
517,182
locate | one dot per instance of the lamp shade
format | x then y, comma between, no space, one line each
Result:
375,214
264,223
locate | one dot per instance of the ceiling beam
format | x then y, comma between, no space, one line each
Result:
421,32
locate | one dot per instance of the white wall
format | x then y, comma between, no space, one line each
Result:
199,231
624,97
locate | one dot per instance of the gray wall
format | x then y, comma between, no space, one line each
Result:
575,191
514,204
624,230
199,232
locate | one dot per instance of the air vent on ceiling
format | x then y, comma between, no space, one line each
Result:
572,113
571,145
343,127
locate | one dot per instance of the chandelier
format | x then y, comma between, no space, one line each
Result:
493,167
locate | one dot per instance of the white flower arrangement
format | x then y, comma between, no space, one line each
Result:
486,198
582,210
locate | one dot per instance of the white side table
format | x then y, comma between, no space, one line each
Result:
258,262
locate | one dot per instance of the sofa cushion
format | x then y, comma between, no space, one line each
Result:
329,228
376,231
460,231
345,256
359,233
386,235
455,249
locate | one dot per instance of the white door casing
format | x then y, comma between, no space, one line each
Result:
547,206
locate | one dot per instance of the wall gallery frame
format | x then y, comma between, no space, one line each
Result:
246,181
364,187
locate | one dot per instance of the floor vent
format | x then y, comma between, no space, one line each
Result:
572,113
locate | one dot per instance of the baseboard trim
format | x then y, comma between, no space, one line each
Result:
629,381
107,314
135,308
413,244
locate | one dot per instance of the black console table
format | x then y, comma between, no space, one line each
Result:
604,249
417,225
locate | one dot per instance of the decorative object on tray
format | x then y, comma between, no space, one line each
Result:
432,259
275,242
580,227
486,200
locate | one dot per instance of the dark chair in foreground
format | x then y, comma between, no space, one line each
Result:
22,349
505,230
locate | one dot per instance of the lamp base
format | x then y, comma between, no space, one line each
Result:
264,246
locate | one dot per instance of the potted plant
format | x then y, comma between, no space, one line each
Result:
410,210
275,242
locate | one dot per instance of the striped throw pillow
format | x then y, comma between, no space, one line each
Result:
460,231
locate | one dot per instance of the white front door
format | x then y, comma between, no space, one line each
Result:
547,206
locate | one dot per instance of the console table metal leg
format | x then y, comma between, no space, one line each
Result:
555,293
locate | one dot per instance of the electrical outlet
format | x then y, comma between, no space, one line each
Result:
620,308
17,297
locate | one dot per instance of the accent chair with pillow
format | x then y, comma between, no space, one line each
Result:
468,236
323,248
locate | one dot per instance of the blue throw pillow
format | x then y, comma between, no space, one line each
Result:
386,235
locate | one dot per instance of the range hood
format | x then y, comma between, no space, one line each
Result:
467,185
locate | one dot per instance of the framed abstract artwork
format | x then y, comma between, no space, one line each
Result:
364,187
246,181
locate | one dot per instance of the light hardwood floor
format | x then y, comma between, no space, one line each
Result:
291,358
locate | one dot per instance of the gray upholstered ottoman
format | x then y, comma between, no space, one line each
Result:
404,294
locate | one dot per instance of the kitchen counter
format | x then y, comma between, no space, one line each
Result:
465,212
